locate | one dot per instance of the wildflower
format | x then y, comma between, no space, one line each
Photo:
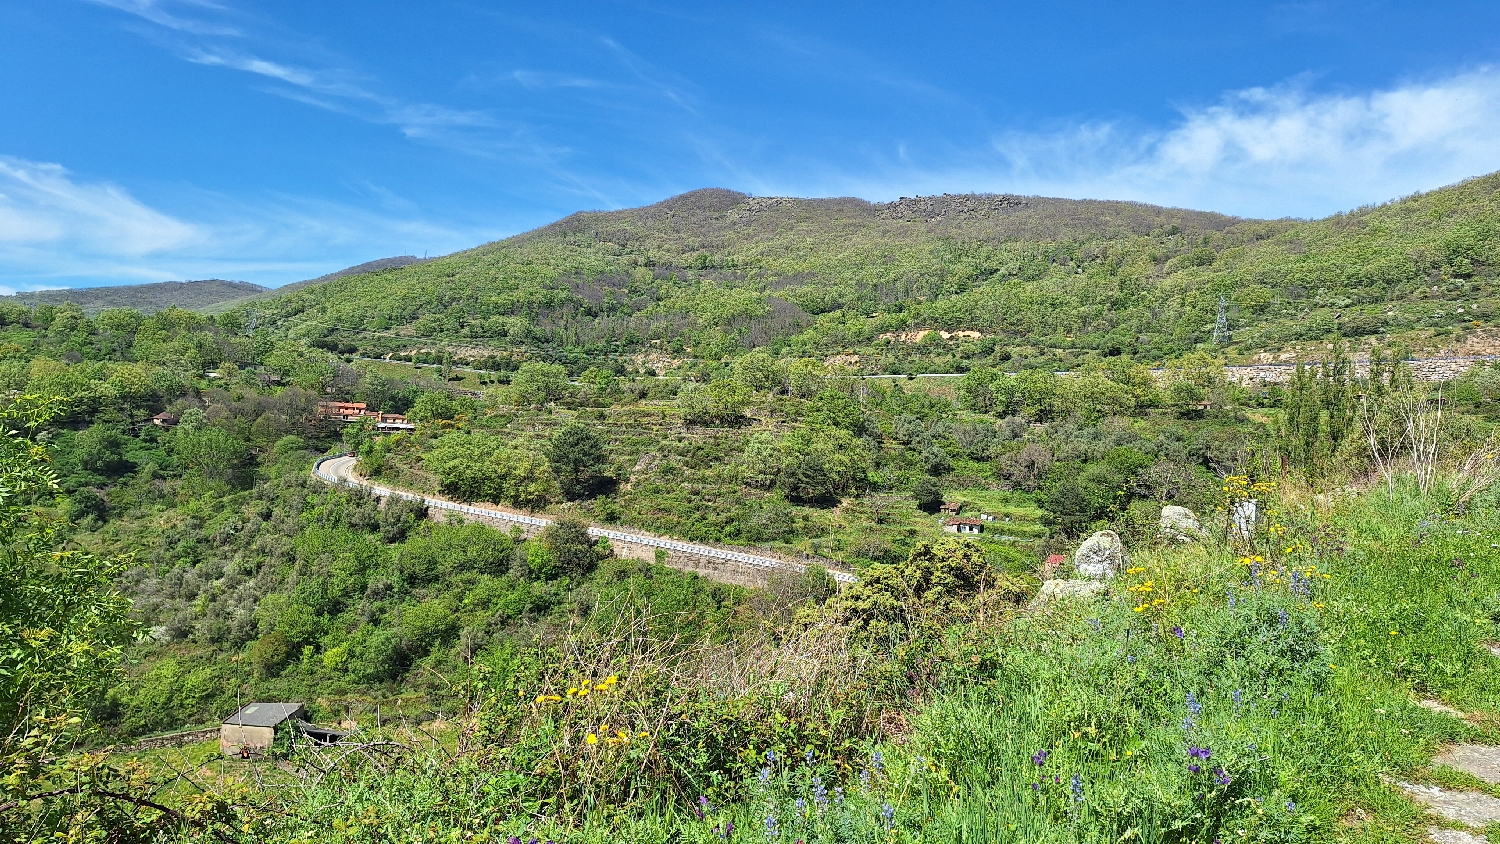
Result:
864,778
1239,697
1290,806
1194,769
723,831
772,830
838,795
771,756
1221,777
1199,752
1178,632
808,756
513,840
820,793
1281,618
765,775
877,761
1193,705
801,805
591,739
888,814
1040,757
1076,786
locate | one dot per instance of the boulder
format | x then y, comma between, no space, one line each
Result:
1055,590
1101,556
1179,524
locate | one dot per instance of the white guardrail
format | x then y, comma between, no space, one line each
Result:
614,535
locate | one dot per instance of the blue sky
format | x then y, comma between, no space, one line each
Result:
145,140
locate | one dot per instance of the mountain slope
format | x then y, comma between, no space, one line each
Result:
147,298
712,272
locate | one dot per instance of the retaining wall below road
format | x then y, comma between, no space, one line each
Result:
725,565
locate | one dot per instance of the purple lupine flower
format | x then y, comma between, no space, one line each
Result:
801,805
1281,618
1239,697
864,777
1040,757
1291,807
1094,623
808,756
772,830
838,795
1199,752
1178,632
1221,777
765,775
1194,769
877,761
820,793
1076,786
513,840
888,814
771,756
1193,705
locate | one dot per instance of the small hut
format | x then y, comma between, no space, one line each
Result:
963,525
252,729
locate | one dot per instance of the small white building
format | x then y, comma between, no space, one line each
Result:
962,525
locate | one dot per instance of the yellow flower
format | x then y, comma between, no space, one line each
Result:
591,739
643,734
1394,633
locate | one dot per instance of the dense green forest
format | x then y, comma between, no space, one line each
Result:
668,369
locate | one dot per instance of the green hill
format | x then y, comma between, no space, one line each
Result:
146,298
713,272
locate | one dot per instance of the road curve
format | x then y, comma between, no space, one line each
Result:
339,469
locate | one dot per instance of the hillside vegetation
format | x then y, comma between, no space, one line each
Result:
146,298
168,555
1047,282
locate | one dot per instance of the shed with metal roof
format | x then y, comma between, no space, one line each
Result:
253,728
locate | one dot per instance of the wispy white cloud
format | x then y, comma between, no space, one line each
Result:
60,230
45,204
1276,151
158,12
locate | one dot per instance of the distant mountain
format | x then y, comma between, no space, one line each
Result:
147,298
358,269
1014,280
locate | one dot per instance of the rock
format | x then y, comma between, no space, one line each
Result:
1439,707
1179,524
1055,590
1243,516
1471,808
1481,761
1101,556
1438,835
1493,648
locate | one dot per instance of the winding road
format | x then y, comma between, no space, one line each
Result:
339,469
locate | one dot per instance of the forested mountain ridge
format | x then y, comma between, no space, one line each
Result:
147,298
1048,282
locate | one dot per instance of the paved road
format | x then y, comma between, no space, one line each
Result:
339,469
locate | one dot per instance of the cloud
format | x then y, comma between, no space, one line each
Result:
43,204
156,12
1267,151
58,230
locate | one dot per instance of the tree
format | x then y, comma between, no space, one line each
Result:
571,551
937,580
442,406
479,467
63,625
100,448
807,464
537,383
213,453
719,403
576,455
928,494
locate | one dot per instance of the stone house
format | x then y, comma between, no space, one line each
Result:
252,729
961,525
